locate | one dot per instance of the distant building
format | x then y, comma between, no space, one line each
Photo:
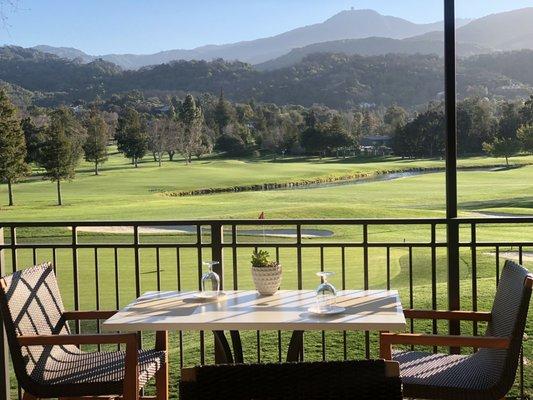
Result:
375,145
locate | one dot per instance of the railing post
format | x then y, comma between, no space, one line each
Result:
452,227
217,254
217,251
4,353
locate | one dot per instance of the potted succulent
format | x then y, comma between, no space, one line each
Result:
266,273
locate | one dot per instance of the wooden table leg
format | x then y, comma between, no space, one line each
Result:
296,347
161,376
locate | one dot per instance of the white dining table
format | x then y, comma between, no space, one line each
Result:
240,310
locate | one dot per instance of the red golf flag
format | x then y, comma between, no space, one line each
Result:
262,215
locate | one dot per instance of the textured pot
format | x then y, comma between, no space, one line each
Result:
267,279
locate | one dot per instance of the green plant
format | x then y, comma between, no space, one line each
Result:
260,259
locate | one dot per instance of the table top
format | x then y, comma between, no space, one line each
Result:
370,310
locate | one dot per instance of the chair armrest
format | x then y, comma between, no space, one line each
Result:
87,315
487,342
130,339
448,315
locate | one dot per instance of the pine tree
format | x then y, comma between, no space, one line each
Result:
190,139
13,164
34,136
95,147
62,148
222,114
132,139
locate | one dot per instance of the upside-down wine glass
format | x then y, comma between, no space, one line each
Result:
210,280
326,293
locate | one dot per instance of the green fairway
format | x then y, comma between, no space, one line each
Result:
123,192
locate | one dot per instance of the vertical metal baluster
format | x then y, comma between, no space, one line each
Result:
13,248
200,258
473,250
366,283
299,256
34,255
54,260
343,283
97,290
158,268
434,278
234,257
117,283
411,303
522,394
138,286
137,260
257,334
279,332
388,268
178,277
323,332
5,381
497,265
117,278
75,274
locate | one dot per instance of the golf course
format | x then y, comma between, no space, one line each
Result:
307,188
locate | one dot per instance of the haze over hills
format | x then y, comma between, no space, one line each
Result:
511,30
349,24
373,46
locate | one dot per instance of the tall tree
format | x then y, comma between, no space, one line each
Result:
62,148
502,147
13,164
190,139
132,139
525,135
223,113
95,146
526,112
161,136
34,136
395,117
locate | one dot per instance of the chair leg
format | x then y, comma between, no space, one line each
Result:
161,376
131,373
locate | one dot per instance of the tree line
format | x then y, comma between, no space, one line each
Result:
499,128
57,139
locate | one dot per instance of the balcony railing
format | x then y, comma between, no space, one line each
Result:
105,265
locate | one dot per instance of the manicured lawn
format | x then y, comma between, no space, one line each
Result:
122,192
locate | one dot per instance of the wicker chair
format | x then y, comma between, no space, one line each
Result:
46,358
488,373
362,380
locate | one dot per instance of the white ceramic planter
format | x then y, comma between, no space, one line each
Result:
267,279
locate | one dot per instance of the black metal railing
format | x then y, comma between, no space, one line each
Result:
106,264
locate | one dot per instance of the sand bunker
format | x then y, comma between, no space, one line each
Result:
190,230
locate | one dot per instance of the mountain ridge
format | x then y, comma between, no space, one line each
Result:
347,24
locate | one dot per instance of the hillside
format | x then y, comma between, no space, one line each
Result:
336,80
373,46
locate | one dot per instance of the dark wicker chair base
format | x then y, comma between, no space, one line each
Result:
77,373
363,380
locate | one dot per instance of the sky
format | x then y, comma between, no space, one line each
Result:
147,26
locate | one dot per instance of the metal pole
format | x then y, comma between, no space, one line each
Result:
451,161
4,354
217,254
